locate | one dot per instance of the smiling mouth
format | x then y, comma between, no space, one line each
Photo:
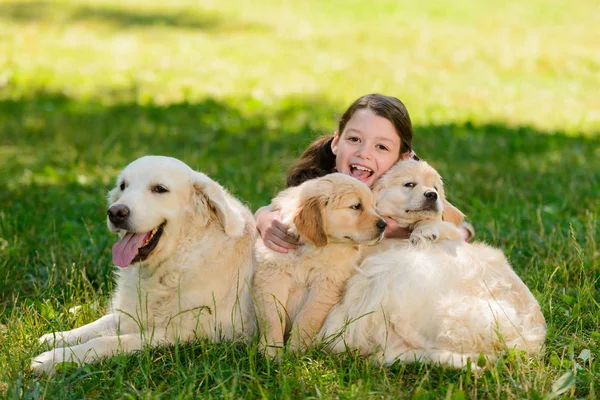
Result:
136,246
360,172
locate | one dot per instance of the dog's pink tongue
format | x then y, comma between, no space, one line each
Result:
125,250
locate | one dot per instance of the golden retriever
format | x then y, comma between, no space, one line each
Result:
295,291
432,298
186,262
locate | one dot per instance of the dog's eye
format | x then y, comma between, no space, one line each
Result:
356,207
410,184
159,189
122,186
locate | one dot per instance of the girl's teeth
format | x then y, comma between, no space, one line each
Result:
361,168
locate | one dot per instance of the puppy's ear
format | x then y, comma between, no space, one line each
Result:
309,221
452,214
211,197
380,185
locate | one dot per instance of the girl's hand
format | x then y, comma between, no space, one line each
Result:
274,232
393,231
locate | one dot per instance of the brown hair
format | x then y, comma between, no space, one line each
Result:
318,159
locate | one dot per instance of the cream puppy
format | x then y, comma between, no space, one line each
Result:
186,262
432,298
412,194
331,215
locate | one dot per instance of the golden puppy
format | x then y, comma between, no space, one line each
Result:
432,298
295,291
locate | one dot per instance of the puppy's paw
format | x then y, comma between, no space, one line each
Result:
296,347
275,353
270,350
298,343
424,235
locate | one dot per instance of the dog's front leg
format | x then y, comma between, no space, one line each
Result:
433,231
312,316
102,326
272,314
93,350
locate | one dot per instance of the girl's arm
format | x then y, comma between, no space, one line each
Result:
273,232
393,231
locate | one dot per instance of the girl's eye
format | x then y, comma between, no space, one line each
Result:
353,139
356,206
382,147
160,189
122,186
410,184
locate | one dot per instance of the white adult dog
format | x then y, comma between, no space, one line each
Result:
433,298
186,262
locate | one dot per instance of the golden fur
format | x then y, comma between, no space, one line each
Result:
194,283
432,298
295,291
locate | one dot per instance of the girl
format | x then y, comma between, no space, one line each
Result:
373,134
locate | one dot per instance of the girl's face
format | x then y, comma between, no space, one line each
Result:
367,148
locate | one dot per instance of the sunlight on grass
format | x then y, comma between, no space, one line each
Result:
500,62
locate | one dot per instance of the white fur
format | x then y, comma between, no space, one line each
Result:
195,283
435,299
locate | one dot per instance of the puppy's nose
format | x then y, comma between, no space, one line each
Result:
381,224
118,213
431,196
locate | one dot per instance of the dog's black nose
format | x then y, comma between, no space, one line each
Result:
118,213
381,224
431,196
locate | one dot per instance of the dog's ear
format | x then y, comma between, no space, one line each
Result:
211,197
452,214
309,221
113,196
380,185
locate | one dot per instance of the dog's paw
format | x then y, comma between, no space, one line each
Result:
58,339
47,361
48,339
297,348
52,339
424,235
298,343
275,354
270,350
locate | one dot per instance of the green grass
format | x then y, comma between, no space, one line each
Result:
503,96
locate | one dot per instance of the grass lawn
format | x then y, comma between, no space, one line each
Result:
504,97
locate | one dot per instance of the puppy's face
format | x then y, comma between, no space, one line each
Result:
338,208
154,200
412,191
